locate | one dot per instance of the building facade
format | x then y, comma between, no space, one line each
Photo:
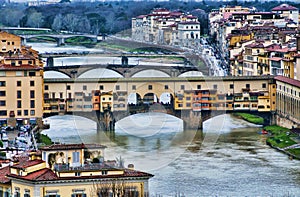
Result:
21,83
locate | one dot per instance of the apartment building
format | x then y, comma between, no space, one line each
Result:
258,30
72,170
21,83
162,26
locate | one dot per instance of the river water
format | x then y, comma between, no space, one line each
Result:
231,160
226,158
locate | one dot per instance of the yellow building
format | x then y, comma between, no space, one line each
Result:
86,178
21,83
9,42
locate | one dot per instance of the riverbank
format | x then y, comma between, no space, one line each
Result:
280,138
250,118
283,140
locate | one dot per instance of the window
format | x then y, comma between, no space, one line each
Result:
70,95
25,112
182,87
19,83
68,87
248,86
32,94
31,83
149,87
19,73
199,87
46,87
104,172
188,98
32,104
2,93
2,83
3,113
19,104
29,62
2,103
215,86
19,94
188,104
2,74
32,112
77,173
134,87
19,112
231,86
31,74
101,87
53,95
166,87
75,157
264,85
84,87
60,95
117,87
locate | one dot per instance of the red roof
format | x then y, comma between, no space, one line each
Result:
3,172
276,59
44,174
47,174
284,7
28,163
290,81
71,146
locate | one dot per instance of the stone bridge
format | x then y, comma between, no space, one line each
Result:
124,70
60,38
191,119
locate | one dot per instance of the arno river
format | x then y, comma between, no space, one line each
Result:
227,158
229,161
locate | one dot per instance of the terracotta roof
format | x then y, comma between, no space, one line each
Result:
72,146
290,81
3,172
44,174
28,163
47,174
22,67
276,59
284,7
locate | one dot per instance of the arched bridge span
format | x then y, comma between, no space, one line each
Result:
127,71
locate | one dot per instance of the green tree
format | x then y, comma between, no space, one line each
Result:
35,19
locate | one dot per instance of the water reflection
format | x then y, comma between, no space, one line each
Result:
233,162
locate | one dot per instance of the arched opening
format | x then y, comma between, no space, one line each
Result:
55,74
150,73
100,73
150,98
191,74
134,99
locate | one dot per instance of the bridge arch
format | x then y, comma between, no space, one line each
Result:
56,74
191,74
150,123
100,72
150,73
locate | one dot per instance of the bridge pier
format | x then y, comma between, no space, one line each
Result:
191,119
50,62
23,41
60,41
106,121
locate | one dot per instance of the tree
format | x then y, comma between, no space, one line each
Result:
35,19
57,24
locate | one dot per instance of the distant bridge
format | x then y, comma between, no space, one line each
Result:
60,38
126,70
